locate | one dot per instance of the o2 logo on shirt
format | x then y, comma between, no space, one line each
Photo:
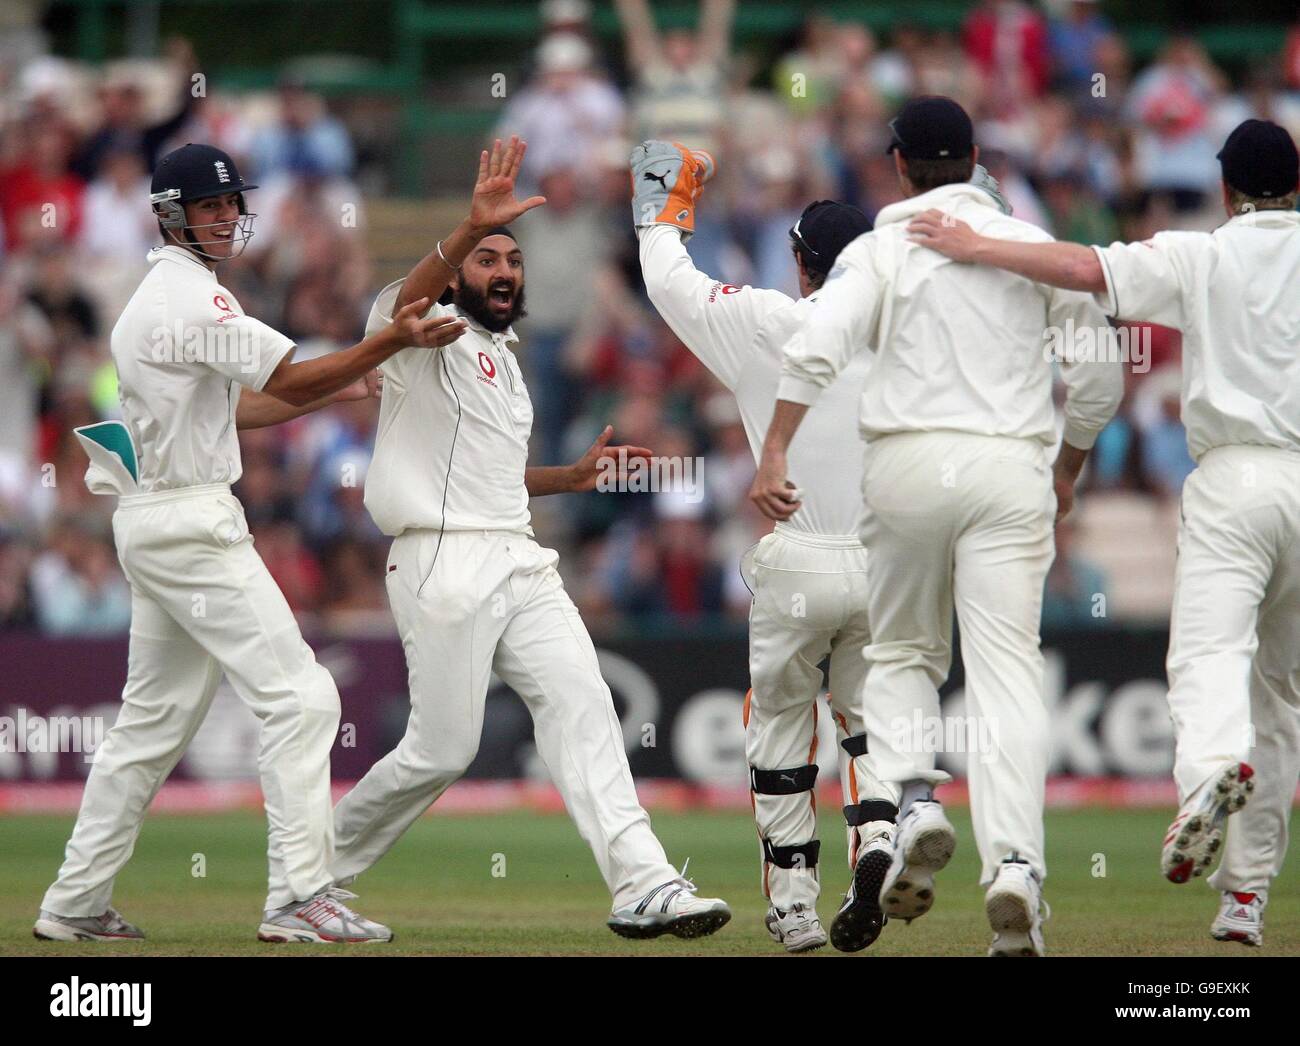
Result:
486,365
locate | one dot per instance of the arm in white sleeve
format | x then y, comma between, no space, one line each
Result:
716,321
1144,281
840,324
1094,384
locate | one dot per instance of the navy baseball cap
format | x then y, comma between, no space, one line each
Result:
931,127
824,229
1259,159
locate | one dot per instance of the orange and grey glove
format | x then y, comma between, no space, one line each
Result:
666,182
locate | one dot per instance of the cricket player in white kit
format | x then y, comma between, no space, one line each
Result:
473,593
192,369
957,411
808,576
1234,658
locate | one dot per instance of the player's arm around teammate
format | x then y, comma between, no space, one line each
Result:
1234,682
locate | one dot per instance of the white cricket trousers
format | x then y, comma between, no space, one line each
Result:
957,520
810,602
467,604
203,603
1234,647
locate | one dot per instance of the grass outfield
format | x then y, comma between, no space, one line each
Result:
436,889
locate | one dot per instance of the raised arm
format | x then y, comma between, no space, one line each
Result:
493,204
1070,266
640,39
716,17
716,321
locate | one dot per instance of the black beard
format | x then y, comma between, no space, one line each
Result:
474,304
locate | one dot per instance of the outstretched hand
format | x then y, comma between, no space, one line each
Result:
494,200
411,328
602,458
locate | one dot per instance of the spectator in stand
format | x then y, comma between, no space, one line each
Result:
40,196
1291,58
76,587
305,137
119,227
808,78
15,566
1166,462
679,77
355,597
1074,41
1170,109
124,123
566,114
1074,595
57,289
26,343
1007,41
569,227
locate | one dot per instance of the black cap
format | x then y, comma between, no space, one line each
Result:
197,172
931,127
1259,159
824,229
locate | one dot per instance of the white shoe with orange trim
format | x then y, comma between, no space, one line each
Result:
1241,918
323,919
1197,832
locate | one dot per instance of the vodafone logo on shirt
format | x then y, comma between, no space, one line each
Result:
488,368
227,313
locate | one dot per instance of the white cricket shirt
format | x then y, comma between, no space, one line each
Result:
738,333
453,432
1235,295
957,347
182,348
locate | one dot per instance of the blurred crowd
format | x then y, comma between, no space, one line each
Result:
1085,142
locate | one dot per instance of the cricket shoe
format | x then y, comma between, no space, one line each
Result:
107,927
926,842
1197,832
799,929
323,919
860,919
671,907
1016,910
1240,919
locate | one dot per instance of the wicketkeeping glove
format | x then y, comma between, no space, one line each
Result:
981,179
666,181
